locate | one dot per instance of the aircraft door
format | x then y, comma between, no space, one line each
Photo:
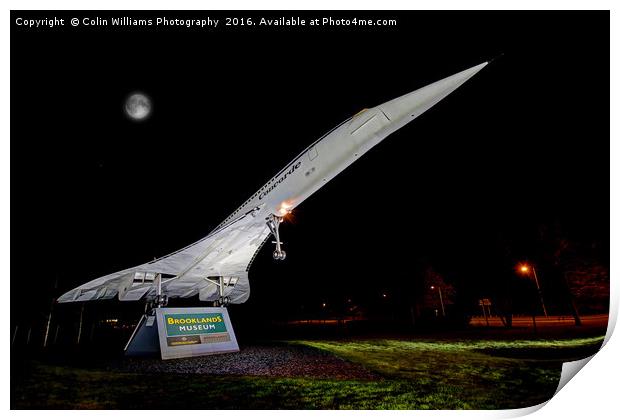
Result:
312,153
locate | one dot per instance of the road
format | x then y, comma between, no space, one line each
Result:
541,321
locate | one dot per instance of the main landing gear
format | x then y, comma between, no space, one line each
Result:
223,301
273,222
159,300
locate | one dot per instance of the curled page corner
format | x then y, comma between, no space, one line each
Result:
520,412
569,370
613,317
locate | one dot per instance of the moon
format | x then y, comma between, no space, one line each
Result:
138,106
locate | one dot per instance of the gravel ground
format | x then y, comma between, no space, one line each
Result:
275,361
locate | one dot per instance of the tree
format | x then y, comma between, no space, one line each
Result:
436,290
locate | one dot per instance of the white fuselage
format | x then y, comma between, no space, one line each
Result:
310,170
216,266
342,146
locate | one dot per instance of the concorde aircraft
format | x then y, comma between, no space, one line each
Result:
216,267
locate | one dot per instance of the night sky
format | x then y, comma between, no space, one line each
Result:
467,188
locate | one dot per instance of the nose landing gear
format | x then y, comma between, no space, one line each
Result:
273,222
279,255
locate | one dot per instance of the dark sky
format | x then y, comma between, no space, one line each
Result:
522,145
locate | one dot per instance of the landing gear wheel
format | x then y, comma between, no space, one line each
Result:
273,222
279,255
222,301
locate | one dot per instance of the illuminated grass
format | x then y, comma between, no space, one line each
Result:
62,388
471,370
445,345
415,375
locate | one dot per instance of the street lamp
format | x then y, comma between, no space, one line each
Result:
525,270
443,309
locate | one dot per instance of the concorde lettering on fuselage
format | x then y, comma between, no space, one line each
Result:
264,191
279,180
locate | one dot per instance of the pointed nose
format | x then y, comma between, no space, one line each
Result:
415,103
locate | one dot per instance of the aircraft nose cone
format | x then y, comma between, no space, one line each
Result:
414,103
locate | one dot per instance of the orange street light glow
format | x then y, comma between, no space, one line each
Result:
524,268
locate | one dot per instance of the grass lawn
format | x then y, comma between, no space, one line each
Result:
478,374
